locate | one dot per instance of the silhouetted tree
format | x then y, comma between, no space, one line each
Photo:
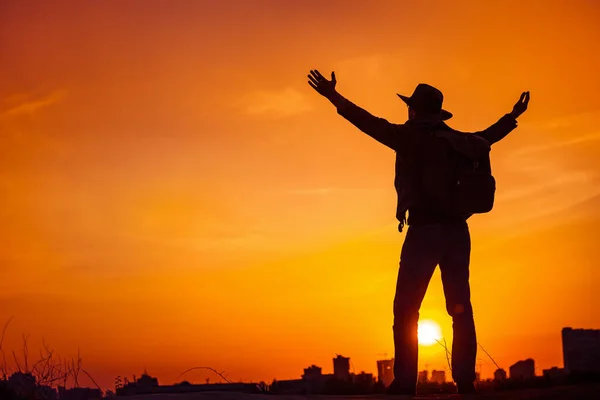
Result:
49,371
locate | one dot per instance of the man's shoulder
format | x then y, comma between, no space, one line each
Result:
444,127
404,130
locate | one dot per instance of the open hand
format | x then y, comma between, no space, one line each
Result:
320,84
521,105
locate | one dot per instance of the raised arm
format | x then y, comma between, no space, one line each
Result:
507,123
378,128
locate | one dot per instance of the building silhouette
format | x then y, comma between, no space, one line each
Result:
554,373
581,350
522,370
341,368
385,371
147,384
315,382
438,376
144,384
146,380
364,380
289,386
500,375
186,387
312,372
25,385
423,377
78,393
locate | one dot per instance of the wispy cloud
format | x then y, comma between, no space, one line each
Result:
542,189
567,121
30,106
574,129
552,182
284,103
558,144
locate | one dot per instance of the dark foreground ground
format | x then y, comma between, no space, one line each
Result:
581,392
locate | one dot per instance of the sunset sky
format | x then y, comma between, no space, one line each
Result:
174,194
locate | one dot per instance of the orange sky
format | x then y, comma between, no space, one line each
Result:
175,194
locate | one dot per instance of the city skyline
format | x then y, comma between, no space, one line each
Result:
586,341
175,195
580,348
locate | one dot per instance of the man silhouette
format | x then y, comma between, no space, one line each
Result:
436,234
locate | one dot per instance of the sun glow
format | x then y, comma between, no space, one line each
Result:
429,332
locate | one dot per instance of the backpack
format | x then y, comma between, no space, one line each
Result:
474,186
457,177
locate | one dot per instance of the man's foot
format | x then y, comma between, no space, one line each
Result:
396,389
465,387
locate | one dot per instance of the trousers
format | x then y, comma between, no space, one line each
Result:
426,246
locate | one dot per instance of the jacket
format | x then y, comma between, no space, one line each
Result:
406,139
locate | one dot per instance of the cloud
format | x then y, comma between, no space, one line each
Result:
559,144
543,189
581,128
28,107
557,175
568,121
572,179
284,103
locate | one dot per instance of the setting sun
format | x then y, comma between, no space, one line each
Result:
429,332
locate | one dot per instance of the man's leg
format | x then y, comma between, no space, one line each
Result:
420,255
454,266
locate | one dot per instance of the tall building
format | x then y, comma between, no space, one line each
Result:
500,375
423,377
341,368
385,371
581,350
438,376
523,370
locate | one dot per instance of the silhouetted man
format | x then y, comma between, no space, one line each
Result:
426,151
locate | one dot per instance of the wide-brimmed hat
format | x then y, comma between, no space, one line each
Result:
427,99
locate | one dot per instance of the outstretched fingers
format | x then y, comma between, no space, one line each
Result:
524,98
318,75
315,75
313,79
318,82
